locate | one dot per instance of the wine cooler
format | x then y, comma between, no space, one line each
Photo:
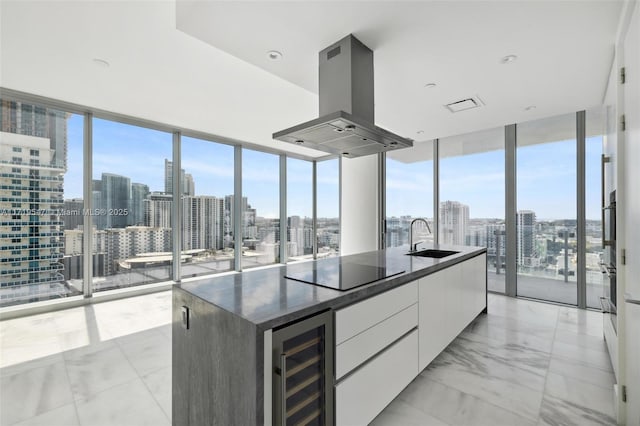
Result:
303,372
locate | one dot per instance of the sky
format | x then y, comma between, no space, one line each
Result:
546,182
546,175
139,153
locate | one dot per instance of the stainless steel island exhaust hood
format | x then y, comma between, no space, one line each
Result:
345,126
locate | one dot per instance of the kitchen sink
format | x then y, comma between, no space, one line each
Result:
437,254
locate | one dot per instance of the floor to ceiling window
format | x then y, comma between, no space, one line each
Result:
328,208
260,208
472,196
207,176
299,210
409,189
41,206
595,279
546,182
132,202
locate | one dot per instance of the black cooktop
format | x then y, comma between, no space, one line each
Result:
338,275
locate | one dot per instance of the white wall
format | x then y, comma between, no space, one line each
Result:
359,205
625,149
629,204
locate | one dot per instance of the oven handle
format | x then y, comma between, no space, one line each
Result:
629,299
603,160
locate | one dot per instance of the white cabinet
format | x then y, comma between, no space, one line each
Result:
361,316
358,349
448,300
361,396
378,349
474,284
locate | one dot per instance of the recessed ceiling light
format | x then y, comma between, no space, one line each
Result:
508,59
101,62
430,85
274,55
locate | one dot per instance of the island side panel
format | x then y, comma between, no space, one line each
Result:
217,366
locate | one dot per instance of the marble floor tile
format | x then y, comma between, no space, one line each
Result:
21,359
27,339
62,416
560,412
580,395
506,394
581,321
577,353
74,319
595,343
524,362
128,403
583,372
159,384
508,336
455,407
485,358
400,412
92,371
147,352
166,330
33,392
514,323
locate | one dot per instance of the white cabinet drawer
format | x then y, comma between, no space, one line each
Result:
355,351
357,318
363,395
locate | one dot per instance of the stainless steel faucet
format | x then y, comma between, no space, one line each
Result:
414,246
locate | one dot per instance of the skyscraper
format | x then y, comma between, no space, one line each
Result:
295,235
116,200
73,217
454,221
186,180
157,210
188,185
202,220
526,222
139,193
33,153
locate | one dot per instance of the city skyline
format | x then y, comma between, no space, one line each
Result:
475,180
465,178
118,148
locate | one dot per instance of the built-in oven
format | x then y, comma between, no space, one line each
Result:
609,297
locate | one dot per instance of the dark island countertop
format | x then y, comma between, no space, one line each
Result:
265,298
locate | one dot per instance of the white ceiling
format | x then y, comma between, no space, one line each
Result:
227,86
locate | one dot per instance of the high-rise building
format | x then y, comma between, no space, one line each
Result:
295,235
188,185
157,210
525,224
116,200
202,222
139,193
454,221
125,243
496,243
228,218
33,162
186,180
33,120
72,216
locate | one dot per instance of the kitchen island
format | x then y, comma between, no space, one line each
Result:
226,328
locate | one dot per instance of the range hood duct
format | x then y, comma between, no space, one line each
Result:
345,126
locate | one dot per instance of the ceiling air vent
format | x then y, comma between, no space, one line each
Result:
465,104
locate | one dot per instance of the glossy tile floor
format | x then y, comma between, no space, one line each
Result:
110,364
